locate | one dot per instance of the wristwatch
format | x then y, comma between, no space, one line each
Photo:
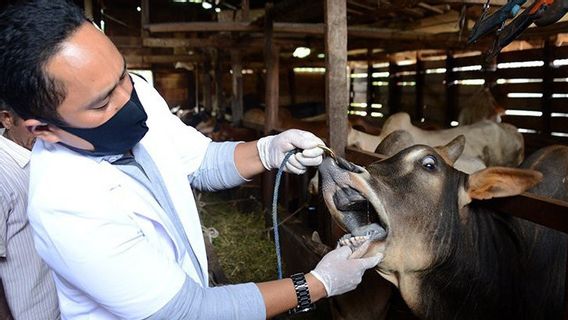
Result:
302,294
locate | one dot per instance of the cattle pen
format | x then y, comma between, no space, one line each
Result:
238,70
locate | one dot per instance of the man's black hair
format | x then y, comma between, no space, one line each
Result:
31,33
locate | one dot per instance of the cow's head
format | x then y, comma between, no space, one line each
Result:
412,205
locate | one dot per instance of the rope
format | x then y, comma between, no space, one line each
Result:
275,212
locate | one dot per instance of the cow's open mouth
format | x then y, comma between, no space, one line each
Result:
360,217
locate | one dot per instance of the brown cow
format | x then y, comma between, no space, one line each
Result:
450,257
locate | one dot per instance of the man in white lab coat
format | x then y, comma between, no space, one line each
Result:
110,196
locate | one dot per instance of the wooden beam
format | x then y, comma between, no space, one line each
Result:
201,27
336,88
302,28
178,42
140,59
480,2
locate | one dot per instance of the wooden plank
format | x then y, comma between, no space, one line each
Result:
524,104
534,123
559,105
542,210
535,87
521,55
560,87
511,73
559,124
336,89
463,75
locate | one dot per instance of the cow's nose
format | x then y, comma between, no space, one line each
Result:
346,165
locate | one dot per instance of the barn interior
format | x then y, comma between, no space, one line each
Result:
241,69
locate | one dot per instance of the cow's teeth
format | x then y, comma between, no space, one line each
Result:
353,242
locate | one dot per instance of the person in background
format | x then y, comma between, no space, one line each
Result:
111,180
28,285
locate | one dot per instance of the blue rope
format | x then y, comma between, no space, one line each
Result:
275,211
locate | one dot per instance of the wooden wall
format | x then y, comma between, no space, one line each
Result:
435,90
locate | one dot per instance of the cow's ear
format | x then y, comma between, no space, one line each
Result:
496,182
453,150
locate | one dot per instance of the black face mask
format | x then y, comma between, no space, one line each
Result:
119,134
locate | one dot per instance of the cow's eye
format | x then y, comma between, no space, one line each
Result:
429,162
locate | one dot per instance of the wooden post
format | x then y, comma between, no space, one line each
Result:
547,86
88,4
206,82
370,93
145,17
394,88
419,89
292,85
271,53
217,82
271,58
245,8
237,101
336,85
451,90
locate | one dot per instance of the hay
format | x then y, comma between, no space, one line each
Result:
244,247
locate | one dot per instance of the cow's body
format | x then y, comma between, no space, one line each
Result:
450,257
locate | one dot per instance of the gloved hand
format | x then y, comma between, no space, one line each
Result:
273,149
341,270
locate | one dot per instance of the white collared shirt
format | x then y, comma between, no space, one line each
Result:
20,154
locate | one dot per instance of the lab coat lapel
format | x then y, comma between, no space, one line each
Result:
163,153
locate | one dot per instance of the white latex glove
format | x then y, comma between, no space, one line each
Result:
273,149
341,270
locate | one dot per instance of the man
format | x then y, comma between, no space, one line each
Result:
29,288
110,184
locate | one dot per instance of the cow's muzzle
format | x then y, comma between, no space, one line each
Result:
342,185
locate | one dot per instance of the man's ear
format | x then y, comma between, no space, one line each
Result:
6,119
42,130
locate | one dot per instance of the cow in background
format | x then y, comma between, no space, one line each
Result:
449,255
480,107
495,144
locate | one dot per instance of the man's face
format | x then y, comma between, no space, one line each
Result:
16,130
96,83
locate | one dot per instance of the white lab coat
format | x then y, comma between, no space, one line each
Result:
104,235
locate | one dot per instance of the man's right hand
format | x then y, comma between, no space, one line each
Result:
341,270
